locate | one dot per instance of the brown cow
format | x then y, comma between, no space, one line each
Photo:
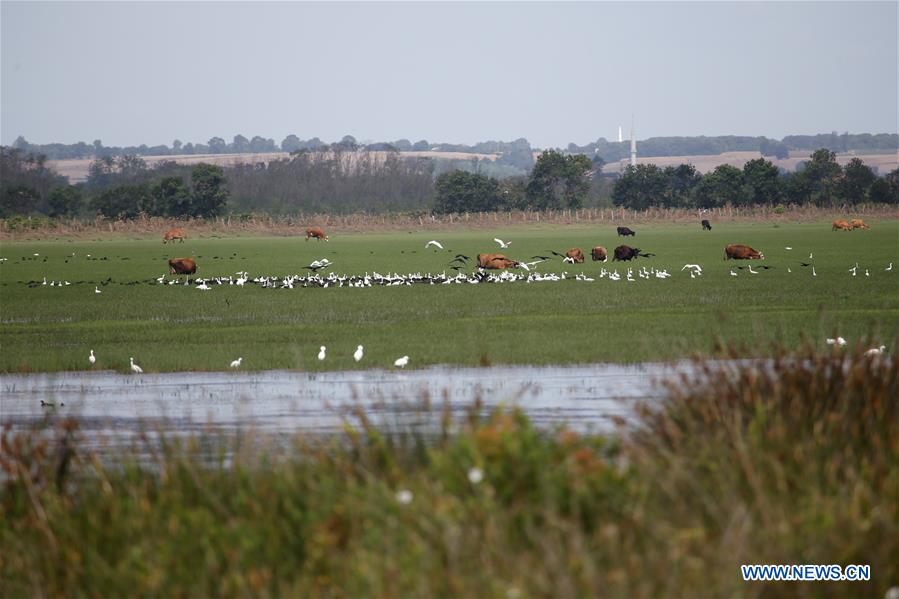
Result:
575,255
737,251
841,225
495,261
857,223
599,254
182,266
174,234
316,232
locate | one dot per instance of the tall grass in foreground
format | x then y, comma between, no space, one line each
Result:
793,461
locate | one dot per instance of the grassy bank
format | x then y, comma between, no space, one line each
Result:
172,328
795,464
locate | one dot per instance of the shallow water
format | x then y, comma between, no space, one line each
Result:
112,408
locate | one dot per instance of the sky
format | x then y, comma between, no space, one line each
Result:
131,73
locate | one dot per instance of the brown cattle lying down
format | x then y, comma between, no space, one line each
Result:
495,261
316,232
841,225
599,254
857,223
174,234
737,251
575,254
182,266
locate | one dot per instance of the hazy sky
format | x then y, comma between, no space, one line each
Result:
132,73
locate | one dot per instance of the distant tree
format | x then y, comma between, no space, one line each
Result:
101,171
559,181
881,193
856,181
261,145
403,145
176,146
64,201
771,147
291,143
240,145
19,199
821,176
188,148
460,191
171,197
892,179
217,145
210,190
131,165
123,202
421,145
640,187
722,186
762,180
681,180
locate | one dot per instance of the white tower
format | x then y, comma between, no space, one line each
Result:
620,139
633,145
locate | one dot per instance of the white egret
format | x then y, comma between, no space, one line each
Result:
838,341
435,243
788,248
357,355
236,363
92,359
135,368
97,289
502,244
876,350
321,353
755,272
889,268
732,273
814,274
401,362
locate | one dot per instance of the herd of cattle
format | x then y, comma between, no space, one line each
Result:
496,261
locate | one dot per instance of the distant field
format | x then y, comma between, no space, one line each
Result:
77,169
171,328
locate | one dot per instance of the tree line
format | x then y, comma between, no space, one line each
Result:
821,181
344,179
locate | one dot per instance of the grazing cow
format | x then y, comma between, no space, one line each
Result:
182,266
316,232
624,231
857,223
599,254
627,253
495,261
575,254
174,234
738,251
841,225
706,225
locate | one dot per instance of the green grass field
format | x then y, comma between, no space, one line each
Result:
174,328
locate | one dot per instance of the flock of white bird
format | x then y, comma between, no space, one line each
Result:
235,364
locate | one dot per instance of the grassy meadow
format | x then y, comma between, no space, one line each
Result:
175,328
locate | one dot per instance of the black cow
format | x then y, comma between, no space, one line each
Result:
625,232
706,225
627,253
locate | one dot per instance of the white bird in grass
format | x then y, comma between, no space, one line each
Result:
203,286
502,244
434,243
236,363
755,272
788,248
789,269
695,267
838,341
92,359
814,274
135,368
97,289
401,362
357,355
321,353
874,351
867,274
889,268
732,273
811,256
853,269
